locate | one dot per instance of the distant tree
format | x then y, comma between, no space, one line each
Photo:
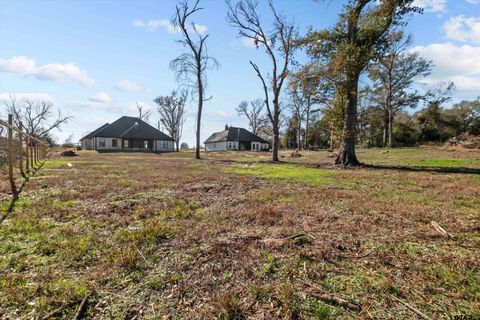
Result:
143,115
68,143
191,67
184,146
299,107
290,135
279,46
431,120
348,47
37,117
254,112
306,83
393,75
173,113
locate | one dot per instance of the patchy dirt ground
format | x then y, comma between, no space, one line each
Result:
234,236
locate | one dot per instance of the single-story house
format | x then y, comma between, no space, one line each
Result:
233,138
127,134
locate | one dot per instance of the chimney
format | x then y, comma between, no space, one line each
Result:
226,127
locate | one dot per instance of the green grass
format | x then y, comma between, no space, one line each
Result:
287,172
416,157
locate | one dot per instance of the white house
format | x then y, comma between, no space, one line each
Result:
233,138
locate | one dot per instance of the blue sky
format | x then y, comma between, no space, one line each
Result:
96,59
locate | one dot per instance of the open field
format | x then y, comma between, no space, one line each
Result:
233,236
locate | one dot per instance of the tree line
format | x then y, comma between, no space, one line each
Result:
358,85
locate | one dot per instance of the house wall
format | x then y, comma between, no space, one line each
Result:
232,145
164,146
260,146
216,146
108,144
86,144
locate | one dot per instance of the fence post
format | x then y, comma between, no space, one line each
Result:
32,164
10,154
20,139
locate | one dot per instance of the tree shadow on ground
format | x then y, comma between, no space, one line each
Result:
461,170
15,196
431,169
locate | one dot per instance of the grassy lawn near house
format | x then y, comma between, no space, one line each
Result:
234,236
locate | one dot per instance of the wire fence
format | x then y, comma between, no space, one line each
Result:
20,155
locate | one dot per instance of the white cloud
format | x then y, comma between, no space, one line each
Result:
125,85
57,72
459,64
248,42
201,28
22,96
461,28
152,25
101,97
96,102
439,6
473,1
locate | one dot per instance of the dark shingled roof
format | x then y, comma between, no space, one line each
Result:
234,134
92,134
129,128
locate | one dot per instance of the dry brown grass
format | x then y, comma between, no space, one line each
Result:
166,236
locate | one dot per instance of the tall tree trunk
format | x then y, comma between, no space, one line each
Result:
276,133
307,120
385,128
177,142
299,142
200,107
332,131
347,156
390,128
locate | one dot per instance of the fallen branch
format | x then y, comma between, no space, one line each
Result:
143,257
440,230
357,257
332,299
82,306
59,309
418,312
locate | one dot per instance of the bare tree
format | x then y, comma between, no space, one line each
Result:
143,115
253,111
306,81
299,107
393,76
172,113
279,46
36,117
191,67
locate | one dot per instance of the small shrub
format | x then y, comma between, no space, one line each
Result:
270,267
229,307
319,310
127,258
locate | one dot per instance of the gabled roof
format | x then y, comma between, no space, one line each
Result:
92,134
234,134
129,128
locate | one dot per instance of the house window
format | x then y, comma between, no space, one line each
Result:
145,144
229,145
101,142
114,143
163,144
125,143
